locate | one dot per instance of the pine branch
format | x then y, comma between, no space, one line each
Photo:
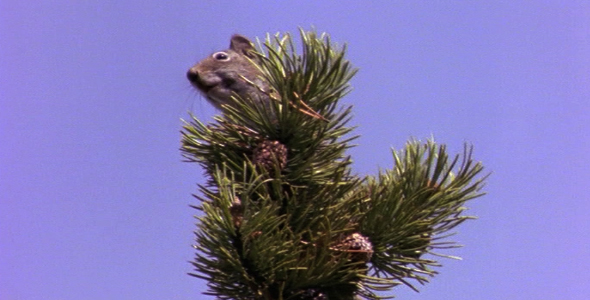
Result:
283,217
413,206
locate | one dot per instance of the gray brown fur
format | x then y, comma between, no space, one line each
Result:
231,71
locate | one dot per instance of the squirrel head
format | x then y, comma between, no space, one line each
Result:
229,72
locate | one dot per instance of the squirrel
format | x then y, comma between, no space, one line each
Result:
231,72
236,71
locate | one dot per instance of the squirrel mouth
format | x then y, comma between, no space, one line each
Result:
203,87
198,82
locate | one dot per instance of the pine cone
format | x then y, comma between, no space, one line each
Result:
267,152
359,246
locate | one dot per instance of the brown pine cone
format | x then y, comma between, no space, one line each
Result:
267,152
359,247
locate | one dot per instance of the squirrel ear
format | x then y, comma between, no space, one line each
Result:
241,44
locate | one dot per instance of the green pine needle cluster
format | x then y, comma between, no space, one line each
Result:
307,227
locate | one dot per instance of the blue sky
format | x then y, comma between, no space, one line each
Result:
94,196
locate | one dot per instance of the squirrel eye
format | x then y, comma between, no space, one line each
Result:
221,56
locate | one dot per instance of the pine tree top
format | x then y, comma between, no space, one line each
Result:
284,217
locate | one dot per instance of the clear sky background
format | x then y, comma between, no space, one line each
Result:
94,196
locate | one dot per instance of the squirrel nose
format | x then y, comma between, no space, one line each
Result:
192,76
